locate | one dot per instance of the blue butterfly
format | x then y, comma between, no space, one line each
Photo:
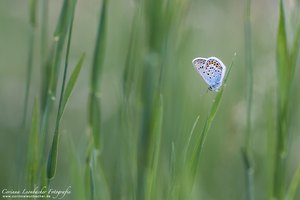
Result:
212,71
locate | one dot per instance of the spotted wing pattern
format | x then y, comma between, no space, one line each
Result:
212,71
199,65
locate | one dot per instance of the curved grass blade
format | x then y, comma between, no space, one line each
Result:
72,81
52,159
70,86
291,193
200,140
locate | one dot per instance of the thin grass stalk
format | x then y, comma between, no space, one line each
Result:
65,94
194,160
33,148
249,170
154,151
52,159
94,110
172,172
61,31
52,67
32,36
131,53
44,47
44,31
191,135
92,179
94,117
88,187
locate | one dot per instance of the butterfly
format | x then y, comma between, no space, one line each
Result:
212,71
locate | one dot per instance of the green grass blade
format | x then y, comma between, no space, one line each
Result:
294,52
200,140
52,70
99,51
291,193
44,32
98,60
154,148
173,171
71,83
246,150
66,95
282,56
286,63
33,9
101,190
52,158
32,12
64,18
88,186
33,148
95,182
92,182
283,71
44,49
189,144
76,171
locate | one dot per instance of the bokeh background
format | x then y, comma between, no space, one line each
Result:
208,28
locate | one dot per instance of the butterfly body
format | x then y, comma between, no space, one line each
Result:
212,70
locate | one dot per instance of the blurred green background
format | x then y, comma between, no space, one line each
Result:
208,28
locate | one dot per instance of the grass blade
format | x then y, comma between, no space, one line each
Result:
76,171
33,8
286,63
44,49
283,66
72,81
66,95
283,70
246,150
189,145
52,158
294,52
291,193
154,148
50,86
98,60
200,140
64,19
33,148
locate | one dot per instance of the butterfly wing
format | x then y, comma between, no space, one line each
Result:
215,70
199,65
